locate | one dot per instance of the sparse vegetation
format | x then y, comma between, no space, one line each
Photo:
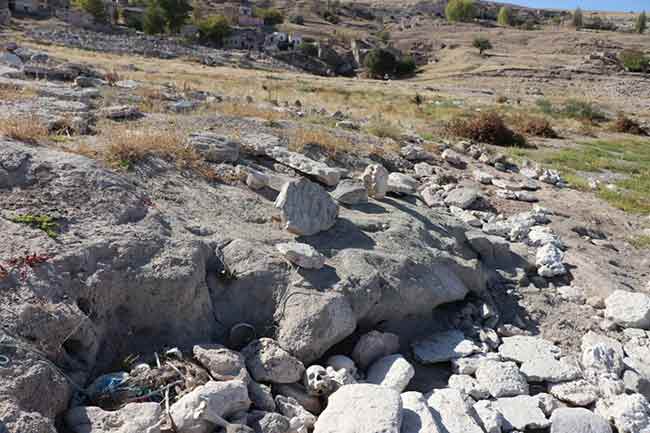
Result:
460,10
573,109
382,63
505,16
488,127
301,137
29,129
95,8
534,126
626,125
635,61
176,13
308,49
154,19
641,242
482,44
271,17
44,223
641,23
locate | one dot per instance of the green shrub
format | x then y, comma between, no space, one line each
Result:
641,23
271,17
95,8
297,19
380,63
460,10
154,19
582,110
405,67
504,18
488,127
214,29
481,44
635,61
308,49
134,22
42,222
176,13
331,17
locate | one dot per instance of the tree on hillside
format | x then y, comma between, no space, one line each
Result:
460,10
577,19
214,29
641,23
153,22
380,63
482,44
176,13
504,18
95,8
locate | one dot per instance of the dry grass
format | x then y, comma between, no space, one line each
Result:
299,138
486,127
29,129
12,92
250,110
533,126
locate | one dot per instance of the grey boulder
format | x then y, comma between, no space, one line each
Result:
303,255
306,208
443,346
628,309
350,192
132,418
393,371
214,147
374,345
578,420
268,362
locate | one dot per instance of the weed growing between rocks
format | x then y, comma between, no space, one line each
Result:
42,222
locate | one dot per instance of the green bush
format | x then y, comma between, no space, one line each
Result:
380,63
582,110
271,17
481,44
308,49
134,22
641,23
214,29
635,61
95,8
460,10
176,13
504,18
297,19
154,19
487,127
331,17
405,67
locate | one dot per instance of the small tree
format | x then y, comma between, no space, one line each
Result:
176,13
380,63
214,29
271,17
577,19
482,44
641,23
153,22
460,10
95,8
504,18
308,49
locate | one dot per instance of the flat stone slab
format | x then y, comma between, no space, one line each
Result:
549,370
501,379
521,413
452,411
578,420
443,347
578,392
322,172
523,348
628,309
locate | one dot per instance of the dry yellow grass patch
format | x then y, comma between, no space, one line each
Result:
250,110
29,129
11,92
300,137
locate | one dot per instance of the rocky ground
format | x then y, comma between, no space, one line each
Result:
261,273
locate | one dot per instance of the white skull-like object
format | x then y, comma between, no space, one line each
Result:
338,362
317,381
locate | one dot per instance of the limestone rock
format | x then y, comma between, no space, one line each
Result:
433,196
468,385
393,371
464,198
489,417
501,379
375,177
521,413
259,143
416,415
303,255
268,422
298,416
483,177
312,323
602,357
578,392
298,392
522,349
443,346
268,362
374,345
350,192
630,413
549,261
362,408
222,363
261,397
306,208
549,370
469,364
628,309
414,152
453,158
215,147
320,171
578,420
452,411
132,418
402,183
121,112
200,410
424,169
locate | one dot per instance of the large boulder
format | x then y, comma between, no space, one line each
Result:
221,362
374,345
362,408
578,420
268,362
306,208
214,147
132,418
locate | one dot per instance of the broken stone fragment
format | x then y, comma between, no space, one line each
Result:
402,183
132,418
306,207
350,192
268,362
303,255
443,346
374,345
393,371
214,147
628,309
375,177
